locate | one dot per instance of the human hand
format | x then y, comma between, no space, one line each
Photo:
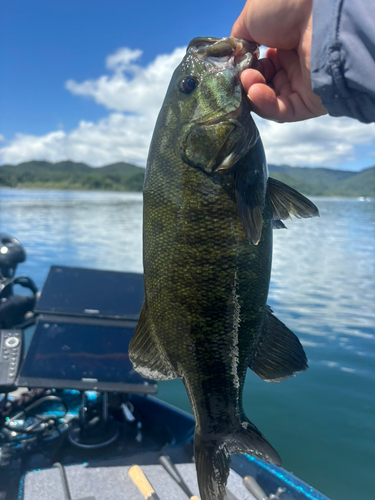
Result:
279,86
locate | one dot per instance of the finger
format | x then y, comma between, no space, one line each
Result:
266,67
281,83
250,77
280,108
239,29
272,55
263,71
290,61
263,101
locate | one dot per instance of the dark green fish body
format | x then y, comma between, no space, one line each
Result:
206,287
208,210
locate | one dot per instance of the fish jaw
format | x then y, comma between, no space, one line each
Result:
217,126
225,51
218,64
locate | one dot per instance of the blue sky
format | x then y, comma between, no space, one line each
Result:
84,80
46,42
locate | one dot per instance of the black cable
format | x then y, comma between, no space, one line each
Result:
64,481
34,436
24,281
23,399
37,403
31,429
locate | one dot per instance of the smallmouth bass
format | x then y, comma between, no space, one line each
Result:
209,211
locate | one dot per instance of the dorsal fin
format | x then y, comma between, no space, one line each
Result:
279,353
146,354
286,201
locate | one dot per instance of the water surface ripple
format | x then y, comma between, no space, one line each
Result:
322,421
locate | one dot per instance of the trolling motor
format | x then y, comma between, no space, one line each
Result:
13,308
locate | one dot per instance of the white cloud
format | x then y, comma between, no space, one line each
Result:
321,141
115,138
120,60
133,95
131,87
134,92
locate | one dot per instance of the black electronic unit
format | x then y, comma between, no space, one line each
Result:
11,345
91,293
83,354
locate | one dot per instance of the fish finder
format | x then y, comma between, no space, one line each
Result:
66,353
76,291
81,339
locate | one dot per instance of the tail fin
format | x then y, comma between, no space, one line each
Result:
212,457
212,464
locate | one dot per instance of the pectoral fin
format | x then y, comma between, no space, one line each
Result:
279,354
286,201
250,207
277,224
250,189
146,354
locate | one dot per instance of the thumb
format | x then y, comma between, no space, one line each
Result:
239,29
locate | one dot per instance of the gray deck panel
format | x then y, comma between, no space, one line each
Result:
113,483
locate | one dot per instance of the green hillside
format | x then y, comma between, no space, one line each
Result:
325,181
127,177
362,184
120,169
71,175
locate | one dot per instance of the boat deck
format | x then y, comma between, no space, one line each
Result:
113,483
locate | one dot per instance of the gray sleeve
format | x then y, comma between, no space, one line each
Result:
343,57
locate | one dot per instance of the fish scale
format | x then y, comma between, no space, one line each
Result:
208,210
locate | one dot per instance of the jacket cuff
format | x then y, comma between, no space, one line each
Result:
342,57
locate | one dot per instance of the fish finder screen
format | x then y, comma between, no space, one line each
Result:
71,351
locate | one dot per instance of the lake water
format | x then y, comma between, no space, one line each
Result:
322,422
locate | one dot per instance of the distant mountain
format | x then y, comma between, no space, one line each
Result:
120,168
361,184
128,177
70,175
325,181
46,166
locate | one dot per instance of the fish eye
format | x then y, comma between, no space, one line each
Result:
188,84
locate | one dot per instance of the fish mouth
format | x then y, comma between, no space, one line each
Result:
247,53
225,52
219,54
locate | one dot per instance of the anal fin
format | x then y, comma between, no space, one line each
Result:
286,201
279,354
146,354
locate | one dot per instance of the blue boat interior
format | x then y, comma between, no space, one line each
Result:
75,416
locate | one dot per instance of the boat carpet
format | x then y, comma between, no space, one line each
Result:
113,483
